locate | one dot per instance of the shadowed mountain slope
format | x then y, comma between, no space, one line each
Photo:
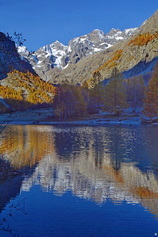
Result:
10,59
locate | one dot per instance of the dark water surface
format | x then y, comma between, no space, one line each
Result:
79,181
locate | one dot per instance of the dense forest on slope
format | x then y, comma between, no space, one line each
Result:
20,91
114,97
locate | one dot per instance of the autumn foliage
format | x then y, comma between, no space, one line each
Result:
7,92
143,39
112,61
108,65
26,87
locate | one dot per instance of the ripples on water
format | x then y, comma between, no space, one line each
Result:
79,181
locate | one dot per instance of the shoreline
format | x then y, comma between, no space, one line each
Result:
45,117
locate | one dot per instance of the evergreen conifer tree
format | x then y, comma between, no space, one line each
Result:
151,96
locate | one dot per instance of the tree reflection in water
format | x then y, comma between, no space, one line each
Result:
96,163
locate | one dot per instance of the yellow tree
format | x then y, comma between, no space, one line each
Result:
151,96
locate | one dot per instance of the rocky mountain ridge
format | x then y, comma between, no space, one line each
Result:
135,55
59,56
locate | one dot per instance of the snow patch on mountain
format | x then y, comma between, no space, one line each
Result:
23,51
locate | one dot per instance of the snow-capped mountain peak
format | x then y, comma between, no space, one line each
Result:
130,31
58,55
98,33
116,35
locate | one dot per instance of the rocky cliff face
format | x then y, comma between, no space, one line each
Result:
58,56
10,59
150,25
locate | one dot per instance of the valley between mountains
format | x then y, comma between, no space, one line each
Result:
97,77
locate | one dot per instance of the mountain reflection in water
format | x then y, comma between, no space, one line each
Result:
95,163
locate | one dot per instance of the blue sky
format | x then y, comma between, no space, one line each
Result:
42,22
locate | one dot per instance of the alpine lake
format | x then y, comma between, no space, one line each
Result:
79,181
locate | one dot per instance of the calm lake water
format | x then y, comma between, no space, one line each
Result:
79,181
